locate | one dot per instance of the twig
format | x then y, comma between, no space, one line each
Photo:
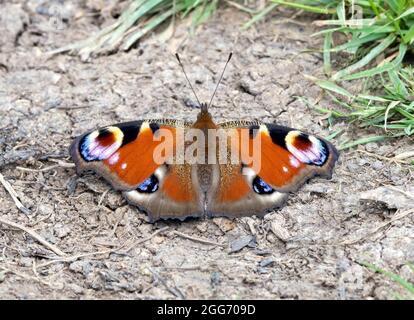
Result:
408,195
145,239
404,155
395,218
14,195
189,268
76,257
394,159
34,235
175,291
204,241
103,196
25,276
60,163
87,254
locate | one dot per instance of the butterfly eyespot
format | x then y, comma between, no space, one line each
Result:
261,187
100,145
150,185
306,148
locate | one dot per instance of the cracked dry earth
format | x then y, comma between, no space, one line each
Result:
309,249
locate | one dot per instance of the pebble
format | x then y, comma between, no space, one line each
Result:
61,230
215,278
26,262
241,242
279,231
83,267
224,224
267,262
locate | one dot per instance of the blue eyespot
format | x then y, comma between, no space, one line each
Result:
150,185
261,187
323,154
84,149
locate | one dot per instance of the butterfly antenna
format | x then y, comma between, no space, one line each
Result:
221,77
185,74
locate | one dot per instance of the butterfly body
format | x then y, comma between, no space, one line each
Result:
222,179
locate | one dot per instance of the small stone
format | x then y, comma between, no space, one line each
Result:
261,270
46,209
250,280
267,262
279,231
71,185
61,230
246,85
352,167
224,224
26,262
317,188
215,278
377,165
392,197
49,236
262,252
202,227
241,242
83,267
342,265
76,288
158,239
371,147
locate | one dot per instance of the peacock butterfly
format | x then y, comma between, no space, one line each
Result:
175,169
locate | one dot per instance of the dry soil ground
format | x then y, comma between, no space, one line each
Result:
308,249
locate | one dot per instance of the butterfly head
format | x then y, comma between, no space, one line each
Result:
204,118
204,107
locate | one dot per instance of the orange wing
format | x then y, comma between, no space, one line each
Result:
273,160
283,157
122,153
130,157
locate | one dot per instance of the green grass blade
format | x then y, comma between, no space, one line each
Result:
373,98
304,7
242,7
334,134
399,86
405,113
362,141
209,8
381,69
406,13
340,12
366,59
334,113
394,277
374,8
356,42
154,22
259,16
327,54
354,23
331,86
118,34
408,36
